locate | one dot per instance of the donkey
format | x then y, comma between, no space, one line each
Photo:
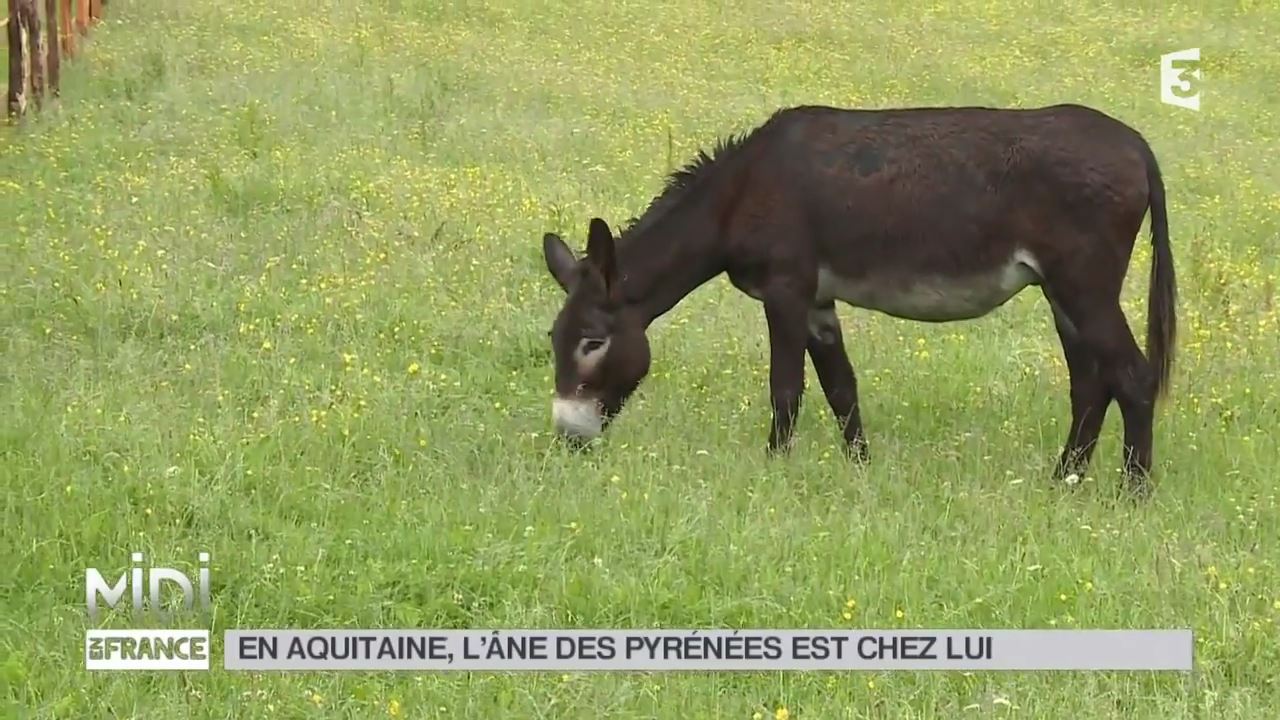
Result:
928,214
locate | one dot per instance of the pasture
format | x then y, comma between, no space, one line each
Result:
274,289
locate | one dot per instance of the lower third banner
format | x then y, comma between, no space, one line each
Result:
694,650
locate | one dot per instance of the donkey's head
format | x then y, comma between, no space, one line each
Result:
601,352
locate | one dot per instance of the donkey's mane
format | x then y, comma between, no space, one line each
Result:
681,180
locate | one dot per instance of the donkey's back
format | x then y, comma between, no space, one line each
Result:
956,191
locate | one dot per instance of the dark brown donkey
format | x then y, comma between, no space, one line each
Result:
931,214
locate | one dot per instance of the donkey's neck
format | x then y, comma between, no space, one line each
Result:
666,259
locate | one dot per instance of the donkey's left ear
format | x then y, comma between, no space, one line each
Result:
602,253
560,259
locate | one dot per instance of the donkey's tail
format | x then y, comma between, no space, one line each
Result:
1162,320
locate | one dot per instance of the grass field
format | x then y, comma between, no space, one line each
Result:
274,289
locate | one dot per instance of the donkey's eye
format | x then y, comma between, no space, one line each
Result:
592,345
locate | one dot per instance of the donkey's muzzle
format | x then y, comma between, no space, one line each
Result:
579,419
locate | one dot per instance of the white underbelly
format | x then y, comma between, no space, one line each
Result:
933,297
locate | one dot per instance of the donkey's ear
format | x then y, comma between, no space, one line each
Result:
560,259
601,253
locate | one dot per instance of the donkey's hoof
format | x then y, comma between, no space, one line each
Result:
858,451
1139,487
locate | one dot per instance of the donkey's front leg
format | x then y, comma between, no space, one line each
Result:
835,374
786,314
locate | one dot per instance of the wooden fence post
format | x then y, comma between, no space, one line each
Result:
52,58
35,50
26,62
17,100
95,10
82,16
64,23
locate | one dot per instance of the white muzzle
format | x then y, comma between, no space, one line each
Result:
577,418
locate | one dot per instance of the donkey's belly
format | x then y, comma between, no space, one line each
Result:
932,297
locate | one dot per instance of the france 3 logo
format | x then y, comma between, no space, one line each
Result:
1180,78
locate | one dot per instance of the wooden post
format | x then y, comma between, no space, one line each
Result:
95,10
64,22
35,49
52,59
17,65
26,60
82,16
25,48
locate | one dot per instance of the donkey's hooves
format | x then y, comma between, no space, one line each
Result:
1139,488
858,452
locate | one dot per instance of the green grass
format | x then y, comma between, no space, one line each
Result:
274,289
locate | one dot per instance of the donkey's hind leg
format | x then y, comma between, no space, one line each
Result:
1103,329
1090,397
835,374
